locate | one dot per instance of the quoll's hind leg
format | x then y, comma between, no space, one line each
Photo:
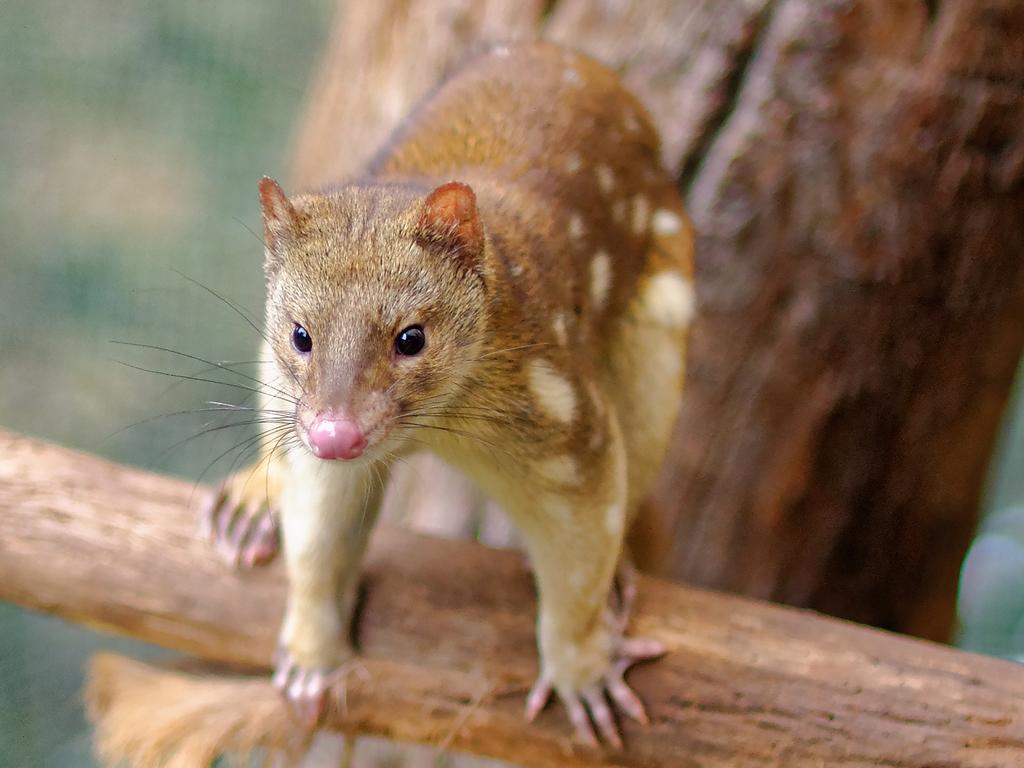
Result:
240,518
645,368
574,538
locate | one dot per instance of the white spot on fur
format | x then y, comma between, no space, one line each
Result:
615,517
576,226
516,270
605,178
571,77
573,163
670,300
561,470
558,326
665,222
600,278
553,392
640,213
632,124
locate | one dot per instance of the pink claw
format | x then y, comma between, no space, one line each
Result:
589,706
634,649
208,517
263,541
602,715
243,534
304,689
580,720
537,698
626,700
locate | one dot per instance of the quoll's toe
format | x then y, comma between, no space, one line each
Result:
589,706
243,532
304,689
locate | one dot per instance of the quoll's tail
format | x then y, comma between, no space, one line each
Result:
146,716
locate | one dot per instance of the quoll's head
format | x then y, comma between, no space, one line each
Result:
375,308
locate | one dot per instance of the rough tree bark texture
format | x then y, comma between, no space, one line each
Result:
862,286
854,169
446,646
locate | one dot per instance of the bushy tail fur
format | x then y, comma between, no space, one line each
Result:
148,717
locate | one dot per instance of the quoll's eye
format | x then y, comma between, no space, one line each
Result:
301,339
410,341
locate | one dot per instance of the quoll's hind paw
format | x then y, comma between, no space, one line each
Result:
588,706
304,689
243,531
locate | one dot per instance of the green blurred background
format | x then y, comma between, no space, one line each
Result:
132,135
131,139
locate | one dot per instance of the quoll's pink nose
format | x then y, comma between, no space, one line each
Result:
336,438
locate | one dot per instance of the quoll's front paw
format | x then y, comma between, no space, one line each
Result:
240,522
591,702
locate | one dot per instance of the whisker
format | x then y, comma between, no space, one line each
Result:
495,352
264,460
200,360
479,413
195,378
248,229
224,300
234,407
219,408
206,370
451,416
458,432
244,316
249,441
218,428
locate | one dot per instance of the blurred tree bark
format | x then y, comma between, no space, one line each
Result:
854,169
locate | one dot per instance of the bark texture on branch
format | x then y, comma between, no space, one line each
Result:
446,637
855,171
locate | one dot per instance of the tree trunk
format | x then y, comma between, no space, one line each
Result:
862,289
854,169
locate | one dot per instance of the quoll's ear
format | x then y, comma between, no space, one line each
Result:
450,221
279,218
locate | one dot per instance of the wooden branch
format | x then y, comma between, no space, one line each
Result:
446,636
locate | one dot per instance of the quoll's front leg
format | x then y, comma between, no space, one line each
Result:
241,519
574,537
328,511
